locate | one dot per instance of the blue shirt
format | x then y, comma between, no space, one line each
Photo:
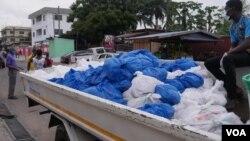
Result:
10,60
240,31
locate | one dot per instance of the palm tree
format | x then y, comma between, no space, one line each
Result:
156,10
246,6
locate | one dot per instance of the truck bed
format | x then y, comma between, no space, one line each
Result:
105,119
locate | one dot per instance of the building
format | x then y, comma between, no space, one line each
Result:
16,35
49,23
179,44
123,42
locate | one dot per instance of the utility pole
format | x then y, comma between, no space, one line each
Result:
59,33
54,24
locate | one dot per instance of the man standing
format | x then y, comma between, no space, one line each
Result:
12,72
237,56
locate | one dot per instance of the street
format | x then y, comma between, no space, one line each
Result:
35,124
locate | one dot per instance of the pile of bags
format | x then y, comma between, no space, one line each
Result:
179,89
137,79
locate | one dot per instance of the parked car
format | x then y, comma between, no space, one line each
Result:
88,54
72,57
102,57
96,50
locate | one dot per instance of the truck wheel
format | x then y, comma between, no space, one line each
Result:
61,134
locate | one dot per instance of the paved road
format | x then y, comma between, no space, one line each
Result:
35,124
4,134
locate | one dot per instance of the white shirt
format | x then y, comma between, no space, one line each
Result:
38,63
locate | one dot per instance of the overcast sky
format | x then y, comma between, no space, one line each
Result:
15,12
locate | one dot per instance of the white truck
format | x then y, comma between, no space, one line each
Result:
80,116
89,54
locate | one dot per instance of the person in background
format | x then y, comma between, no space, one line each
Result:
223,67
2,58
12,72
48,61
30,65
39,61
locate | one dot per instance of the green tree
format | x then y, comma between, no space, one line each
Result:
212,17
246,6
190,15
181,16
95,18
157,9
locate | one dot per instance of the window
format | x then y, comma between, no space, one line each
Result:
39,32
33,21
99,51
109,56
102,56
58,17
11,32
3,32
44,18
57,31
44,32
22,39
39,18
21,32
12,39
34,34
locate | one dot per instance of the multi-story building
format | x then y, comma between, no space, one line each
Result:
15,35
49,22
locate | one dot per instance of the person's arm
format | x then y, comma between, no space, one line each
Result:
241,47
9,66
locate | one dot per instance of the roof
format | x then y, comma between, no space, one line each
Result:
16,28
133,34
49,10
194,36
139,32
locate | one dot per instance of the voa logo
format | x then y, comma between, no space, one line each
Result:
236,132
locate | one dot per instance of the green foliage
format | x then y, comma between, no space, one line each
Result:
95,18
192,16
92,19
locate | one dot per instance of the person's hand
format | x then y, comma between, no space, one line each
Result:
20,68
230,51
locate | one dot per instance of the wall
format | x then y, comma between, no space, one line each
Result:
58,47
201,51
145,44
49,24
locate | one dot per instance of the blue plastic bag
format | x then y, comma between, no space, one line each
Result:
112,69
161,109
191,80
123,85
138,54
166,66
107,91
176,83
169,94
182,64
158,73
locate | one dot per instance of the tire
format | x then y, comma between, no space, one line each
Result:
61,134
